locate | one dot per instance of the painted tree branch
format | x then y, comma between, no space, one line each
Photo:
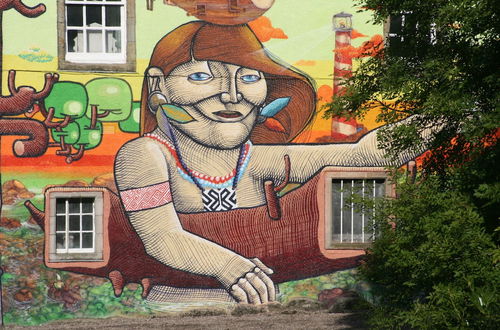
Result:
38,137
23,98
74,157
21,8
51,124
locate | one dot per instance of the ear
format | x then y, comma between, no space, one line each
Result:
154,75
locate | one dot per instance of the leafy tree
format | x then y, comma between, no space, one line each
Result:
112,96
438,267
132,123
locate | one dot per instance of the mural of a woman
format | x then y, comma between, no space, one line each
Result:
204,148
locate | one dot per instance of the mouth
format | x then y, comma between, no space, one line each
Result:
228,114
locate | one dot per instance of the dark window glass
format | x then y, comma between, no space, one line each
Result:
94,15
60,223
87,205
60,241
60,205
75,15
87,241
74,240
113,16
74,222
87,222
74,205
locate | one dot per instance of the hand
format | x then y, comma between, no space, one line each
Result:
254,287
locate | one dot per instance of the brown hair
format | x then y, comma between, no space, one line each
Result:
236,45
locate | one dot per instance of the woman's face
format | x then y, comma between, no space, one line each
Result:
224,99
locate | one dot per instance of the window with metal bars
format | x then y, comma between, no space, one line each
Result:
352,209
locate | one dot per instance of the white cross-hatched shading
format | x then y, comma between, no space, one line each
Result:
223,199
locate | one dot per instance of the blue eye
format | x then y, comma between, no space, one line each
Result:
250,78
199,76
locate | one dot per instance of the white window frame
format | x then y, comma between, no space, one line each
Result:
81,231
96,253
97,57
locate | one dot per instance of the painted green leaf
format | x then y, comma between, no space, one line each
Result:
112,96
68,99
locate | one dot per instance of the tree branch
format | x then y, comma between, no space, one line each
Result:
21,8
38,137
77,156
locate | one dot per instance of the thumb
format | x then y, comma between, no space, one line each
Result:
263,267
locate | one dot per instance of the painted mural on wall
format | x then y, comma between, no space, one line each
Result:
179,181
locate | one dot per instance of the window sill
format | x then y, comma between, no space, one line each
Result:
97,67
348,246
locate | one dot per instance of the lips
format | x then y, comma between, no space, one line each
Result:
228,114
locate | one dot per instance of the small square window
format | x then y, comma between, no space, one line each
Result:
350,200
97,35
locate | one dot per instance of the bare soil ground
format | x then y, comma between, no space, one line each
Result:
286,319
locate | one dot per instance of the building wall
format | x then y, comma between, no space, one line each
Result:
300,33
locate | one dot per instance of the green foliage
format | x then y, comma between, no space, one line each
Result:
436,269
90,137
71,133
439,268
112,96
68,99
451,80
131,124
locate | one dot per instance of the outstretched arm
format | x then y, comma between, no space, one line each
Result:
141,172
306,160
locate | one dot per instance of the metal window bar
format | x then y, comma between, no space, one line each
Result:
346,211
341,205
363,213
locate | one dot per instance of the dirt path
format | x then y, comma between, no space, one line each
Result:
270,320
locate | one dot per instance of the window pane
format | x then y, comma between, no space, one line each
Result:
379,188
60,223
75,15
74,240
94,16
87,222
357,234
87,205
113,16
336,210
113,42
75,41
60,205
346,211
74,205
94,41
87,241
60,241
74,222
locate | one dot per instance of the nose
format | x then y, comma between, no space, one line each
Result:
231,95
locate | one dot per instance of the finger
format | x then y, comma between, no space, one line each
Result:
271,291
259,286
252,294
261,265
239,294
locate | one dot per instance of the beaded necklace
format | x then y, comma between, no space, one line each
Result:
218,193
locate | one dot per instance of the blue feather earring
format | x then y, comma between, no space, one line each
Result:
274,107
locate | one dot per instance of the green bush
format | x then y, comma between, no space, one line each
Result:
436,269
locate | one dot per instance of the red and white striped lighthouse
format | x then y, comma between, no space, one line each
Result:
342,25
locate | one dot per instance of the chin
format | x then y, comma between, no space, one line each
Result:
217,135
229,135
